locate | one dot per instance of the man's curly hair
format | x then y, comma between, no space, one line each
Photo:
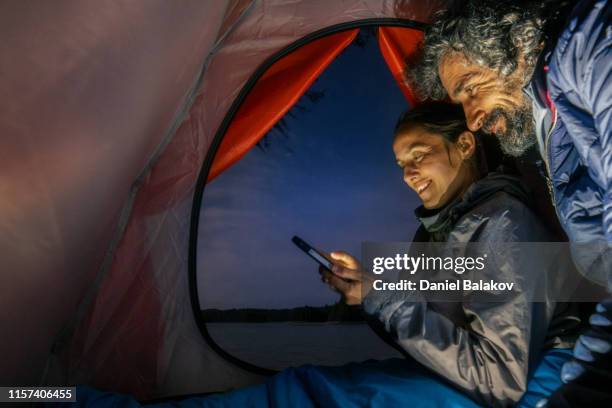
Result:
493,34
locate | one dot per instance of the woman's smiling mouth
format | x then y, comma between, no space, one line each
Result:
421,186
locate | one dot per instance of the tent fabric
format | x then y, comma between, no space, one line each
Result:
108,113
89,90
274,94
397,46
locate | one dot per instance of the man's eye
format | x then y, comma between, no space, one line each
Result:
470,90
419,157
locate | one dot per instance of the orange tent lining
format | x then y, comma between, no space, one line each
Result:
289,78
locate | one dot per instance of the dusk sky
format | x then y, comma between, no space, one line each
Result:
331,178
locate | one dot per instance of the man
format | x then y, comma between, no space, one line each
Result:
541,75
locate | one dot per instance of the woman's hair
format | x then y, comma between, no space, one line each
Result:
444,119
448,121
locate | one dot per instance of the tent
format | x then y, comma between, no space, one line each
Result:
114,115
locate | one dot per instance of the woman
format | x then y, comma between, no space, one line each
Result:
486,348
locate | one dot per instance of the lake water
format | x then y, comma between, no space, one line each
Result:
281,345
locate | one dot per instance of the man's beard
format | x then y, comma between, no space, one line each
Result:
518,135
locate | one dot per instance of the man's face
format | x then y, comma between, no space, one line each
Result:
492,103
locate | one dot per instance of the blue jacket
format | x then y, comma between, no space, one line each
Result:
575,131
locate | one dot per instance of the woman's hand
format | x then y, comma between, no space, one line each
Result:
347,278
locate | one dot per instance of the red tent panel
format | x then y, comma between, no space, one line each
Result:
398,44
274,94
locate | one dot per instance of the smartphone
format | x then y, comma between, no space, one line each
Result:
313,253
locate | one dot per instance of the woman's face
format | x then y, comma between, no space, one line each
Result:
437,170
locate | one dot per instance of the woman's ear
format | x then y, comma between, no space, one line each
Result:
466,144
